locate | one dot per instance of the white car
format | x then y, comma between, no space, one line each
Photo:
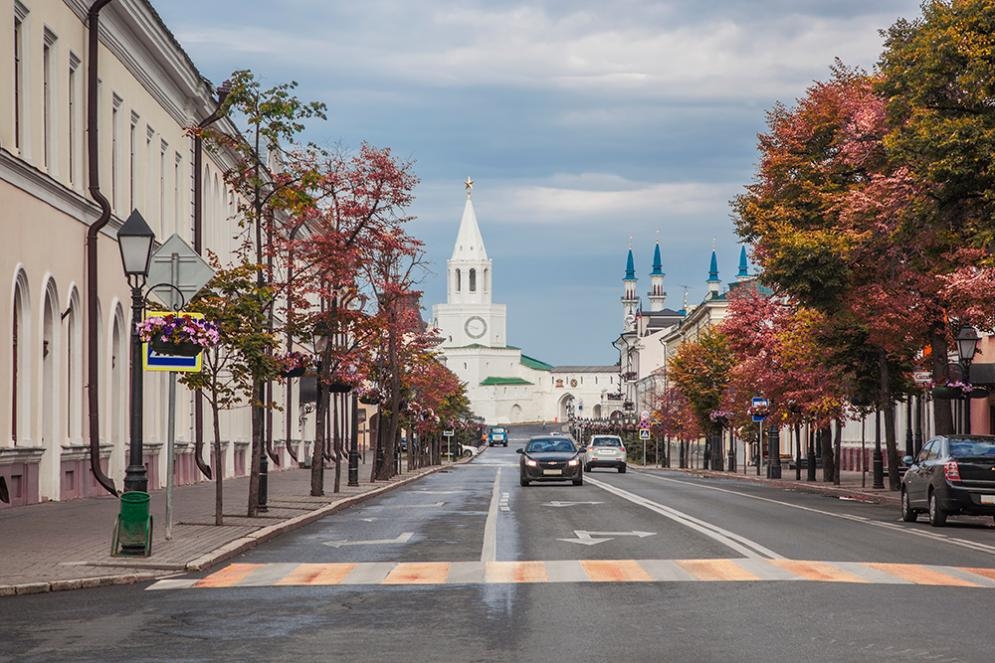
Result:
468,450
605,451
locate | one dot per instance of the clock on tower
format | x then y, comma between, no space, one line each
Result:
475,327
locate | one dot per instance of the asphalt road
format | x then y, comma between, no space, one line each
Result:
467,566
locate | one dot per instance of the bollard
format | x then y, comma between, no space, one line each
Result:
774,453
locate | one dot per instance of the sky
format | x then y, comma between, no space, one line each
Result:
585,124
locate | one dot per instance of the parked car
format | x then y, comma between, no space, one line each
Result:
605,451
952,475
496,436
467,450
550,458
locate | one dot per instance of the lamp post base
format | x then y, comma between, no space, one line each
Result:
353,468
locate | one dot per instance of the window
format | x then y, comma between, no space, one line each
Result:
459,279
473,280
132,146
75,107
163,149
115,152
47,93
20,13
176,192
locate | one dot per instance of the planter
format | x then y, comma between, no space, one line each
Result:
294,372
979,393
339,387
369,400
176,349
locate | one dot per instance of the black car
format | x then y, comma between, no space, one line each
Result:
952,475
551,458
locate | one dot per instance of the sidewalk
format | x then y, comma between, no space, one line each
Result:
851,483
66,545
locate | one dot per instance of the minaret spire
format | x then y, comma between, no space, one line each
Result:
630,302
744,268
714,284
657,294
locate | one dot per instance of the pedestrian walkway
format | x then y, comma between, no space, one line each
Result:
853,485
66,545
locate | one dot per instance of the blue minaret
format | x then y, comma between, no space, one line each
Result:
630,302
657,294
744,268
714,284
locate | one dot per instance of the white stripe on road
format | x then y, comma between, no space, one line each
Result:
489,551
740,544
895,527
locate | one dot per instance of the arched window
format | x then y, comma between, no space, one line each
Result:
74,370
459,281
487,280
20,361
473,280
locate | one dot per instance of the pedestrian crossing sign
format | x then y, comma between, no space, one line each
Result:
644,434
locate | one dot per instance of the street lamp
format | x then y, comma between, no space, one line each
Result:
967,345
135,240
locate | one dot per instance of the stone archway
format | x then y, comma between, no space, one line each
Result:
516,413
49,395
563,407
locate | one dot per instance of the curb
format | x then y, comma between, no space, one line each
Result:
876,497
222,553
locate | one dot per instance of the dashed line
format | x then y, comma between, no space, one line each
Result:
583,571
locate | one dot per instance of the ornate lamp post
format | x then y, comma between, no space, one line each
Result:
135,240
967,345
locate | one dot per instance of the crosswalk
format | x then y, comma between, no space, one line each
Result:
581,571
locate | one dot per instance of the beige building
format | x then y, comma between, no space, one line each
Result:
149,93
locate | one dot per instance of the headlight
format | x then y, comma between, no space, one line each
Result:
573,462
531,463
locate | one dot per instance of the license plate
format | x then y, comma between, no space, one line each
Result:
988,499
552,472
606,453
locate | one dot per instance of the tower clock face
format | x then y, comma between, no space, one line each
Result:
475,327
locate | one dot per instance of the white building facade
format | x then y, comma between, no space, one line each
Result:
503,384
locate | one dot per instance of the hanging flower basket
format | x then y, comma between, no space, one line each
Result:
294,364
176,349
180,335
339,387
978,392
945,392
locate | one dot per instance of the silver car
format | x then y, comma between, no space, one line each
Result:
605,451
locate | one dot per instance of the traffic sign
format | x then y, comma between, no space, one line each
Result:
922,377
644,415
759,403
155,361
644,434
176,264
448,433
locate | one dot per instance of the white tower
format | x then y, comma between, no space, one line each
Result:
468,317
630,301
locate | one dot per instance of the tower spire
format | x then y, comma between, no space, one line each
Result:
713,277
657,295
630,302
744,268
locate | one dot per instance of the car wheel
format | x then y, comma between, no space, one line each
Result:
621,469
587,468
467,453
909,514
523,482
506,444
937,516
579,481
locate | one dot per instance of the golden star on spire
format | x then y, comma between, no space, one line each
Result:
469,186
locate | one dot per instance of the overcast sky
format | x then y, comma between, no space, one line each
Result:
581,122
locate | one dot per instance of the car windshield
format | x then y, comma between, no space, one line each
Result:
961,448
539,446
606,442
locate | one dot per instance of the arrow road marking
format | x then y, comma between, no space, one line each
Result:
560,504
403,538
586,538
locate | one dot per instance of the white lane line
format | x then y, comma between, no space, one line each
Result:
740,544
943,538
488,552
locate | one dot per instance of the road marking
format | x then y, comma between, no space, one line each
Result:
503,502
557,503
583,571
488,552
439,492
906,529
403,538
740,544
592,538
433,505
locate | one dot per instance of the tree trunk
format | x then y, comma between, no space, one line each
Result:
889,423
337,442
257,448
219,468
943,420
837,444
828,460
318,452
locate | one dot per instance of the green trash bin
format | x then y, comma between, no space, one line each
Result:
133,530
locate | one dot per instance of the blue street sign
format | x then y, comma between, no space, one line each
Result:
154,361
759,403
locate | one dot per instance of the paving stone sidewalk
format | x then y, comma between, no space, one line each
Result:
66,545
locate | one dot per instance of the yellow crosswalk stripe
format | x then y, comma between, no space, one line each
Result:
582,571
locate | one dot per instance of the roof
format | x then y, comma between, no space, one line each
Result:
630,268
503,382
657,262
536,364
586,369
469,241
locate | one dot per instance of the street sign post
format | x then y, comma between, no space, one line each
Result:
448,434
759,403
